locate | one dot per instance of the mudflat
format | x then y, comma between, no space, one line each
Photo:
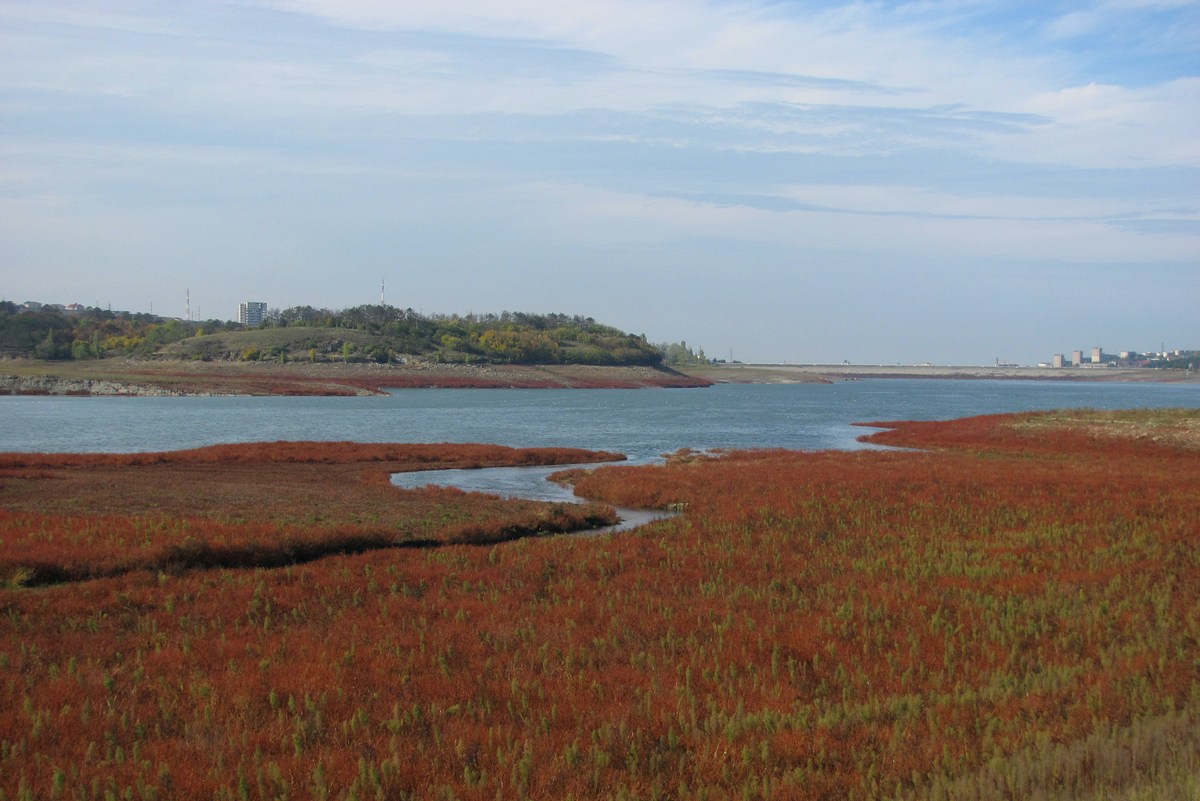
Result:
176,377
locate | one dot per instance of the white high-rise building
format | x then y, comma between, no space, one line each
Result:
252,313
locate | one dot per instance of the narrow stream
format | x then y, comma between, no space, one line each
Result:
527,483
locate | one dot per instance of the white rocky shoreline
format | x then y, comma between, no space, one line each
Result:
52,385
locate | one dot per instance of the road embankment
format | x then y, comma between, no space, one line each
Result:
828,373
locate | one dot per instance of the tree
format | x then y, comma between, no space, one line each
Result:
47,348
678,353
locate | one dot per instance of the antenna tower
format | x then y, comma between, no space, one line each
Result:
188,305
382,301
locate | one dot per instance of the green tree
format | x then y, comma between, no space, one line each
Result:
678,353
47,348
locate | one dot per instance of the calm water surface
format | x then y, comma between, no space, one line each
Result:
642,423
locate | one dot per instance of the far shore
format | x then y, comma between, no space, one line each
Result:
133,377
821,373
158,377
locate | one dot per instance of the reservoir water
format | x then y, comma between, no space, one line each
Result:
641,423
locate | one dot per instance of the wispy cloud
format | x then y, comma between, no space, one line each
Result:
653,132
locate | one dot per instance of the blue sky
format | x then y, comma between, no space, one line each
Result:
882,182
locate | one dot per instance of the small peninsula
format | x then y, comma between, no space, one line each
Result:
309,351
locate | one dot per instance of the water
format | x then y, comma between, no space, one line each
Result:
640,423
643,424
530,483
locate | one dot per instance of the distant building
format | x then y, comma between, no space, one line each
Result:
252,313
1058,360
1097,355
1077,357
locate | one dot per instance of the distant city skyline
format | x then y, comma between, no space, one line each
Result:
888,182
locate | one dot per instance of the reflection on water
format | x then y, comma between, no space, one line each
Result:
527,483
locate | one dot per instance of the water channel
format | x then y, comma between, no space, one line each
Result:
528,483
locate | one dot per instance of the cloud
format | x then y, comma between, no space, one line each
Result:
846,45
842,80
725,61
1112,126
1138,5
1076,23
925,202
82,17
525,145
884,221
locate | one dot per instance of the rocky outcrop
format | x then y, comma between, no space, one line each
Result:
52,385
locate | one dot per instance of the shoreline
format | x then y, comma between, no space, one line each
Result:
158,378
830,373
138,378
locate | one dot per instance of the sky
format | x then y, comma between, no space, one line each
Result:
943,181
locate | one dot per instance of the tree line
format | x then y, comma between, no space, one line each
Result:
507,337
91,333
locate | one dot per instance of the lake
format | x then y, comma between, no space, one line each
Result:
641,423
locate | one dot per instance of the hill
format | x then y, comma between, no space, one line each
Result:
380,334
307,351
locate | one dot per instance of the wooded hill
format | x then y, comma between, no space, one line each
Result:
369,333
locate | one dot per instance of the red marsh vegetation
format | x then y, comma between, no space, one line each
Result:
73,516
1013,612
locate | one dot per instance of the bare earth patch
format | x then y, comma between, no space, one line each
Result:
177,377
